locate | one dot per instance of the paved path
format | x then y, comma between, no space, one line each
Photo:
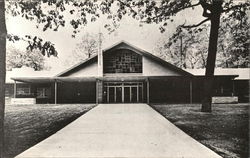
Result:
120,130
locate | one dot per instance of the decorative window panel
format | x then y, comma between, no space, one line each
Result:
122,61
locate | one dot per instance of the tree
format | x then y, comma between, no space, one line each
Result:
234,41
3,33
185,50
233,45
33,43
86,48
16,59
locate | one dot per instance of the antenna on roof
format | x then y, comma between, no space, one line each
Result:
100,55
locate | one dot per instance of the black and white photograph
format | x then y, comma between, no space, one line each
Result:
124,78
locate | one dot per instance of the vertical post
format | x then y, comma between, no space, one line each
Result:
142,90
191,91
122,92
96,91
100,56
148,95
115,94
55,92
181,52
138,92
130,95
233,88
99,90
15,89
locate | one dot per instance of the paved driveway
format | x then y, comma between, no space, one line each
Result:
120,130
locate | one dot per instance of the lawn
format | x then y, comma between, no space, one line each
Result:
26,125
225,130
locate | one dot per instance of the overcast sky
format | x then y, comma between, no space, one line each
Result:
143,37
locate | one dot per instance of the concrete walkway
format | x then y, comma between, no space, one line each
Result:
120,130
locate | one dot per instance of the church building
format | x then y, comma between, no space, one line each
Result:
122,73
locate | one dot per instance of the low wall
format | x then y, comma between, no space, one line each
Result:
23,101
224,100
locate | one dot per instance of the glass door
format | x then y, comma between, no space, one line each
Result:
111,94
118,96
126,94
133,95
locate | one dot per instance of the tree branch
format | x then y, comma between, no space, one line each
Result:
206,6
191,6
196,25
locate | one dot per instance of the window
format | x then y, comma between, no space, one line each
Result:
23,91
123,61
43,92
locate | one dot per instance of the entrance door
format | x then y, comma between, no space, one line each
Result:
111,94
118,97
127,95
134,94
127,92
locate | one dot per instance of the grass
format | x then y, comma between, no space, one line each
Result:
225,130
27,125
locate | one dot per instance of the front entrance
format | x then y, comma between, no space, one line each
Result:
123,92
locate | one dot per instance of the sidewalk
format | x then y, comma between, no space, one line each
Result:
120,130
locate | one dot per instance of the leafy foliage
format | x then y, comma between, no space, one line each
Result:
46,48
233,44
185,50
51,13
85,48
16,59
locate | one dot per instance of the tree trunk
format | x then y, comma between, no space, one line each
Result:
3,33
211,58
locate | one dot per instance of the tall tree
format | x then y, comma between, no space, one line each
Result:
185,50
233,45
84,49
16,58
3,33
45,47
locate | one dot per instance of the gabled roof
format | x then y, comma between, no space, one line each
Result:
126,45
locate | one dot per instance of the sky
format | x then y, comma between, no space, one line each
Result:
144,37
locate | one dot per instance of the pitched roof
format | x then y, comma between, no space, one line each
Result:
242,73
126,45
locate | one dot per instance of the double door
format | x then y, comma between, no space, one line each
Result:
128,92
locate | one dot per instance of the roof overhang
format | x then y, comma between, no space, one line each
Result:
218,76
52,79
89,79
106,78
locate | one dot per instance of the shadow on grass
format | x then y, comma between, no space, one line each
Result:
27,125
225,130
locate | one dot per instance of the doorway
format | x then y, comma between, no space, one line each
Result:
123,92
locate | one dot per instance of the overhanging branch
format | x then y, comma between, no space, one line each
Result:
196,25
191,6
